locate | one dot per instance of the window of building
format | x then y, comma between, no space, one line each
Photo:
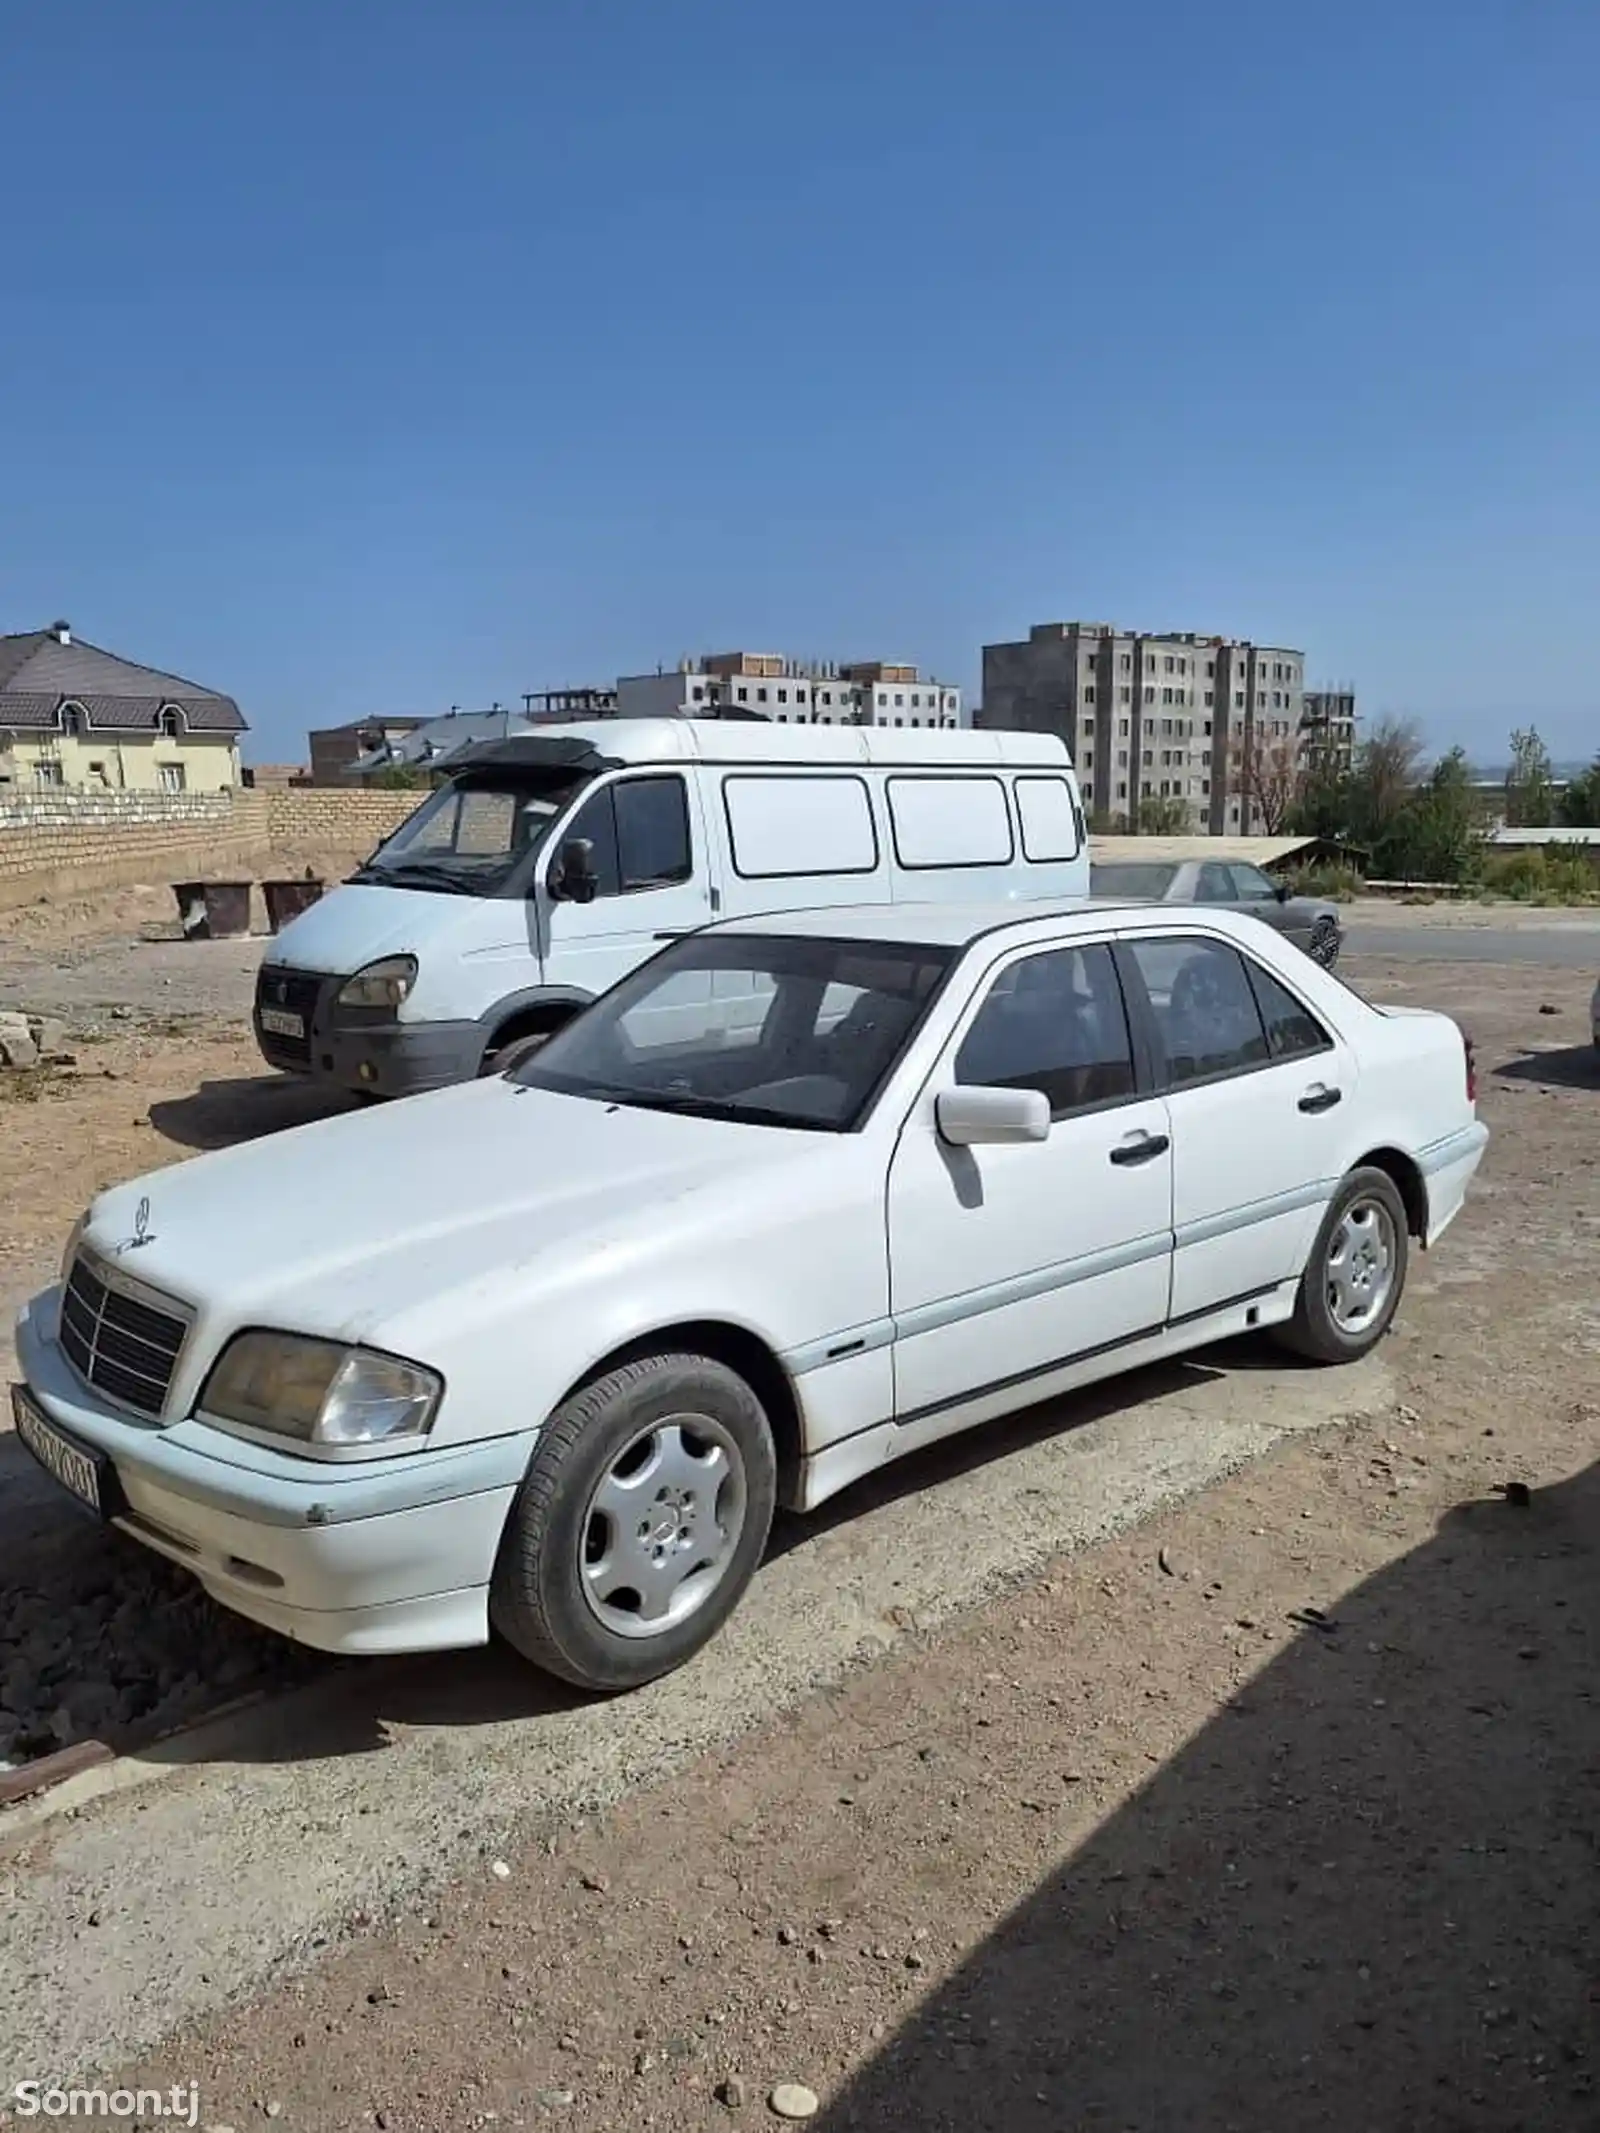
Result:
1122,758
48,773
1211,668
1122,791
1088,722
697,693
827,696
1166,697
1150,693
1125,663
744,695
761,696
1238,699
73,719
1122,728
170,776
1124,695
1088,694
899,702
1209,694
1207,729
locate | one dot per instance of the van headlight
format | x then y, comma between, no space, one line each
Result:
321,1392
382,984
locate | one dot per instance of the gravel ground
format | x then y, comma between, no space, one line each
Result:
1146,1669
1277,1811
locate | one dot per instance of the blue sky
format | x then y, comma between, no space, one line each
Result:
383,356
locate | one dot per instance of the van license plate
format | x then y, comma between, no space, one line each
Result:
280,1023
77,1470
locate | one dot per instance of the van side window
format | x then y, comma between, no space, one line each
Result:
1050,828
652,832
640,832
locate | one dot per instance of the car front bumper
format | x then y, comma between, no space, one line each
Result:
370,1556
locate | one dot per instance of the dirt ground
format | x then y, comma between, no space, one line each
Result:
1279,1811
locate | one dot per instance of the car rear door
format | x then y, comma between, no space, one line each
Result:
1254,1083
1008,1262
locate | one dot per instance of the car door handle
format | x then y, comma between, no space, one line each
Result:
1140,1148
1321,1098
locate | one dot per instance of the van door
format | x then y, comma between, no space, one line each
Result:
654,880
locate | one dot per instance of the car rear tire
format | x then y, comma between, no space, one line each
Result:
639,1523
1355,1275
1323,946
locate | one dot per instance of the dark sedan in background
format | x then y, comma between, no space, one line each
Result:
1234,884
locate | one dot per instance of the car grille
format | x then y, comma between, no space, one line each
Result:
125,1348
297,992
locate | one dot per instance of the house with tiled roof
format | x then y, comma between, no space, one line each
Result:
74,715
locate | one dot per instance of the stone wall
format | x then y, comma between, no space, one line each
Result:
73,842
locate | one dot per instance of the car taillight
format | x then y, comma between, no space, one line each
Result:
1472,1068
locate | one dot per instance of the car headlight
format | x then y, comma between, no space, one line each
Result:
381,984
321,1392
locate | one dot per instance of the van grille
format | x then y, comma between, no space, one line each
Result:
125,1348
297,992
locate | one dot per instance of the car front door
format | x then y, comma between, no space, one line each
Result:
1008,1262
1253,1083
651,877
1254,893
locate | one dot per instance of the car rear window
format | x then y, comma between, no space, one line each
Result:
1135,878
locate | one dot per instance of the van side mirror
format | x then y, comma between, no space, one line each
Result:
980,1118
574,878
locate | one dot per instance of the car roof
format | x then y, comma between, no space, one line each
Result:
958,925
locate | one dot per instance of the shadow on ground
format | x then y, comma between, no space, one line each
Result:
219,1114
1363,1897
1568,1066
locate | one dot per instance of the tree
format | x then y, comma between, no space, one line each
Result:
401,777
1385,776
1265,772
1438,834
1530,787
1162,815
1580,803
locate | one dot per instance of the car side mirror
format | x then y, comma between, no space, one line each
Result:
574,878
981,1118
1282,891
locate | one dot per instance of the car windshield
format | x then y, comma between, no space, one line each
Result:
468,836
769,1029
1136,877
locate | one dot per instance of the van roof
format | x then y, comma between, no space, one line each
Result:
666,740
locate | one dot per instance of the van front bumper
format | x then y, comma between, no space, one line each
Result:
383,1555
360,1053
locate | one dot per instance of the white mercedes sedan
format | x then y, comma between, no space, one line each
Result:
540,1354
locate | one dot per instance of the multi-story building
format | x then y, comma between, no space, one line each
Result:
792,691
1328,727
73,715
1147,715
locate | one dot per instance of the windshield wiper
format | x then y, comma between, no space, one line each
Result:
435,877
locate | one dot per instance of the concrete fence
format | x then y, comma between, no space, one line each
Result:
56,843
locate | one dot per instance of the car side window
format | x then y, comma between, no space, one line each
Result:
1292,1030
1056,1023
1213,886
1251,886
640,832
1205,1012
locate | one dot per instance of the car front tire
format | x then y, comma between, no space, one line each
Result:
641,1520
1356,1274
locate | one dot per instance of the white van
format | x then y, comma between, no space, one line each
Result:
550,864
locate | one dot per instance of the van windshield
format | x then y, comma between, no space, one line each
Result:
466,838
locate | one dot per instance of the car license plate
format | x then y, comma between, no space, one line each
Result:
78,1470
280,1023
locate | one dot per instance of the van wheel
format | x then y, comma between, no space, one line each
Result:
639,1523
1354,1278
501,1057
